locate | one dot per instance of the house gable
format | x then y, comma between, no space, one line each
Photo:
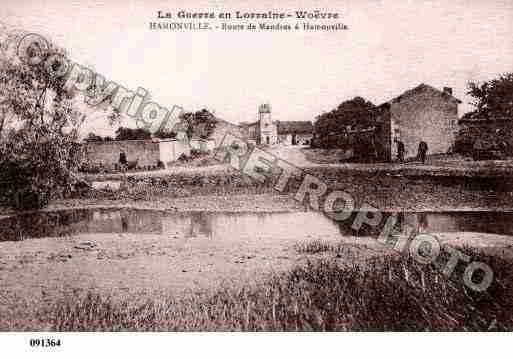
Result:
424,89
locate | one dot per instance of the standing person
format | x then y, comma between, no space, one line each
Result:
400,150
423,148
122,160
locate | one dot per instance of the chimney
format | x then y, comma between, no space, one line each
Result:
448,90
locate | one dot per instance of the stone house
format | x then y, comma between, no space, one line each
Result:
295,132
420,114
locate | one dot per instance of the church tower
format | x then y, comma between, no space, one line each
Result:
268,128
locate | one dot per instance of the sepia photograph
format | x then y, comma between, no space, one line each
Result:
271,166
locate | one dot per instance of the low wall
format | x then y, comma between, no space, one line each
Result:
203,145
171,150
145,152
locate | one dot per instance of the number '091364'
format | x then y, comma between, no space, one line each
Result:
45,342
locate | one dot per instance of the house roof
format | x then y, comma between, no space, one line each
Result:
297,127
419,89
248,124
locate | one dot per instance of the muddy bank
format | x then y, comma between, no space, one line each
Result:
38,273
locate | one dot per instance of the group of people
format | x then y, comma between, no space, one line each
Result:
421,154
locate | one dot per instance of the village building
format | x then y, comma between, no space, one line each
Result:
143,154
270,132
420,114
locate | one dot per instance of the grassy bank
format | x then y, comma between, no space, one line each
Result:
387,293
381,189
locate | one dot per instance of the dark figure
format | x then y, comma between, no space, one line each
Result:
423,148
423,222
400,151
122,159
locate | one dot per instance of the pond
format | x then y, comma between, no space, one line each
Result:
238,226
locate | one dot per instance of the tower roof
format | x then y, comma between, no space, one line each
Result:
264,108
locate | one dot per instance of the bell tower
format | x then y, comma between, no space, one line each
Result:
268,130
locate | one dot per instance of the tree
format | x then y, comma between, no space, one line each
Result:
201,123
91,137
492,98
356,112
39,153
125,133
164,133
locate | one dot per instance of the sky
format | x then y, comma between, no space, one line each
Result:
390,47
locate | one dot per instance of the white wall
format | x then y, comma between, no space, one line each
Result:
203,145
170,150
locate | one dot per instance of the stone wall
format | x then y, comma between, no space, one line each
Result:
145,152
171,150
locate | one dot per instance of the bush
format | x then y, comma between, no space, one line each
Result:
184,158
37,166
196,153
131,165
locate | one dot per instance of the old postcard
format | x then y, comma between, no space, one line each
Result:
275,166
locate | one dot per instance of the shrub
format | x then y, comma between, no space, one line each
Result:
183,158
36,167
195,153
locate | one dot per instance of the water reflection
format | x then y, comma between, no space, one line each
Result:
435,222
240,226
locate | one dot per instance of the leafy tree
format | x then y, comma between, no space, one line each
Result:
492,98
352,113
39,152
201,123
115,115
164,133
125,133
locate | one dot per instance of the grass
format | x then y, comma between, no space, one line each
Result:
389,293
317,246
